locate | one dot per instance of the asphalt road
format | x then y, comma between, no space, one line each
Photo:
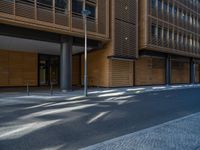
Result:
73,124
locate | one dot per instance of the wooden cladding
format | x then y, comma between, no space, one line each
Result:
125,28
126,10
76,70
102,16
180,72
149,71
18,68
121,73
125,39
45,17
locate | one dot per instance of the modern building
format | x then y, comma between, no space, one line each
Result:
130,42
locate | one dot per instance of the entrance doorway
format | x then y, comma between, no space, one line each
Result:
48,70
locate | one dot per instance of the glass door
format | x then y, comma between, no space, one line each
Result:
43,72
54,70
48,70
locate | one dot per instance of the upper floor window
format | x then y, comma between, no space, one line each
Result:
92,9
170,9
45,3
159,32
160,5
153,30
29,2
165,6
175,11
61,4
77,6
153,3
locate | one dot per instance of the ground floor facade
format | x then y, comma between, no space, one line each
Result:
21,68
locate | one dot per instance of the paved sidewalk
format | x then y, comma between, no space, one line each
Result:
92,92
179,134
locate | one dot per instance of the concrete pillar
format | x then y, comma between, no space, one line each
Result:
168,70
192,71
66,64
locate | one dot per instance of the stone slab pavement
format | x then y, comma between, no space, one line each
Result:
179,134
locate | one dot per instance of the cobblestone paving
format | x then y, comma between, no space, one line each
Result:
180,134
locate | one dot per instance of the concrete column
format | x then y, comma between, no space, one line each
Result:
66,64
168,70
192,71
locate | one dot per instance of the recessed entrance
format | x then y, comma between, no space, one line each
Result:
48,69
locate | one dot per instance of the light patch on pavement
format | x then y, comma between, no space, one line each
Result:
101,92
136,89
180,134
159,88
97,117
37,106
119,100
54,147
13,132
39,97
66,103
75,97
57,111
111,94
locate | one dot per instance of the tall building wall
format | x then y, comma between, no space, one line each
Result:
98,67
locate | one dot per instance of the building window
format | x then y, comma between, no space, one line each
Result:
175,11
45,3
160,6
165,6
29,2
61,4
159,33
153,30
77,7
92,9
153,3
170,9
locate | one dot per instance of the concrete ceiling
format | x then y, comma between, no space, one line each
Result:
28,45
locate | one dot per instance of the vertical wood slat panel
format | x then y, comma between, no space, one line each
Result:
180,72
126,10
125,28
121,73
18,68
76,74
102,16
4,72
149,71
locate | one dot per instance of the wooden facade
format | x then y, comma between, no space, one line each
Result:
150,71
18,68
35,15
125,28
